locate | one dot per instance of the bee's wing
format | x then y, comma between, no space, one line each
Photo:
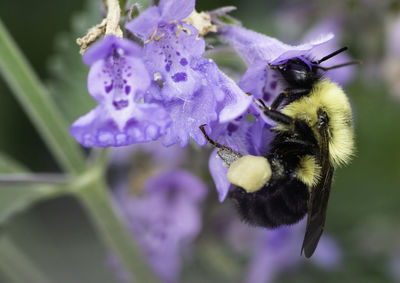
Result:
318,202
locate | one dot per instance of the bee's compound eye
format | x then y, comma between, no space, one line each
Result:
250,172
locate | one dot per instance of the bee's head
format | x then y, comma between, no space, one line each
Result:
299,72
302,72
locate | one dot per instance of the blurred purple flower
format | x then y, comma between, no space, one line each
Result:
192,89
253,46
156,153
341,75
165,219
391,66
328,255
117,79
394,268
278,250
273,251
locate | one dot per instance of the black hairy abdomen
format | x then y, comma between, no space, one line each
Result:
281,202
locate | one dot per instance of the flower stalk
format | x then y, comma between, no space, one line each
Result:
109,26
37,103
16,266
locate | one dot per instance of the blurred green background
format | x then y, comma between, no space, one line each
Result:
364,211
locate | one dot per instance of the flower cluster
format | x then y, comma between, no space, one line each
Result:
164,89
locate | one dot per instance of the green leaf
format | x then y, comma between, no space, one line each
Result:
37,103
16,199
134,11
122,5
15,265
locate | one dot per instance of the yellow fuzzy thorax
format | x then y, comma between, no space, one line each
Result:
330,97
309,171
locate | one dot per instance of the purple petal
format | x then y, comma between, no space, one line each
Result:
187,116
253,46
259,137
165,218
261,82
328,255
218,173
340,75
232,134
173,59
273,253
107,45
146,23
105,126
117,78
235,102
394,266
184,183
175,10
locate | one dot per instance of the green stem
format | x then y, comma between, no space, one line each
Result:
36,101
16,266
96,200
88,187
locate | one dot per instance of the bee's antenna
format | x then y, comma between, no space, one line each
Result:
330,55
339,65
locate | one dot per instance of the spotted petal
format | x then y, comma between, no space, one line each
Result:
118,78
172,58
104,126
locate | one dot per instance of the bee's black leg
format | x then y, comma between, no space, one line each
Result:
214,143
276,115
278,100
279,117
293,92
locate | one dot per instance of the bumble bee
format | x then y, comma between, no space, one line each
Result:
313,135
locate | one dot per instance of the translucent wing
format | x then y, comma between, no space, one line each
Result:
318,202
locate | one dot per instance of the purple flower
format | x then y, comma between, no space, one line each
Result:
394,268
390,66
341,75
165,218
118,80
273,251
167,11
191,89
253,46
278,250
328,255
155,152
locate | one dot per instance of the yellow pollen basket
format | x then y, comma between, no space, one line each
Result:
250,172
